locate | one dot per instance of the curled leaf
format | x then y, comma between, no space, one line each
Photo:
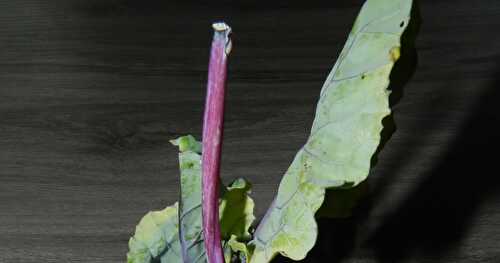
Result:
236,211
190,224
240,248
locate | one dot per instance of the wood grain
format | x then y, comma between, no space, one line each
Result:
92,90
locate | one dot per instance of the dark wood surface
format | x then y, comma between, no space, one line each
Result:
92,90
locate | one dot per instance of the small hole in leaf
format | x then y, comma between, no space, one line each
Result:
363,76
402,24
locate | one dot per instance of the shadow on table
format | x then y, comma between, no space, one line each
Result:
437,214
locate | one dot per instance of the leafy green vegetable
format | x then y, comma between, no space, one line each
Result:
159,234
345,133
344,137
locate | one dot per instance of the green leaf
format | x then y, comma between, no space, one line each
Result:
240,248
345,132
187,143
190,227
236,211
236,218
155,236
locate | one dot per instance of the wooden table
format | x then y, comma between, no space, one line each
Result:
92,90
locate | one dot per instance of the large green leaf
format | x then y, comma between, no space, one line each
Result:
159,234
345,132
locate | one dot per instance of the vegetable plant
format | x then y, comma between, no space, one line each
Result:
213,222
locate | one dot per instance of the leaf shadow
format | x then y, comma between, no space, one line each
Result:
402,72
435,217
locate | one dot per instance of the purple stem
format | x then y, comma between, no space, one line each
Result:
212,140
